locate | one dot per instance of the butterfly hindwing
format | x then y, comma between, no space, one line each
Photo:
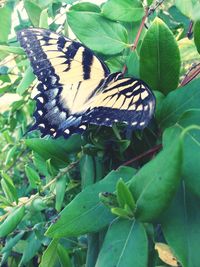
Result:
125,100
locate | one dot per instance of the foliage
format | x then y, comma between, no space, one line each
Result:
75,202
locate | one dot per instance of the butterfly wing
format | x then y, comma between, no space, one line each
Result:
69,73
77,89
125,100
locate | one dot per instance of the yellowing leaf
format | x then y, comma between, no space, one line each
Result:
166,255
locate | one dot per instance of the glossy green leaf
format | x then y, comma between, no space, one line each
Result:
132,63
33,11
43,23
120,10
85,6
98,33
60,191
26,81
50,256
56,150
12,49
4,201
12,242
87,169
149,2
180,225
5,22
85,213
63,255
190,9
40,164
38,204
8,187
32,246
125,244
156,182
10,154
124,195
179,101
160,58
33,177
121,213
115,64
12,221
159,99
191,148
197,35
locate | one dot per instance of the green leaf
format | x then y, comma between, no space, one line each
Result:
12,242
191,148
125,245
121,213
9,187
4,201
190,9
33,11
85,6
26,81
50,256
63,255
32,246
12,49
132,64
120,10
60,191
149,2
180,225
87,170
33,177
124,195
197,35
159,100
57,150
98,33
44,19
10,155
156,182
38,204
179,101
12,221
85,213
115,64
5,22
160,58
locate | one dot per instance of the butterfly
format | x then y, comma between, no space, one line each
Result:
76,88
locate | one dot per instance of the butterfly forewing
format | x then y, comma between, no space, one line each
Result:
76,88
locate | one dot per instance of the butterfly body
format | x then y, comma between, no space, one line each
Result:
77,89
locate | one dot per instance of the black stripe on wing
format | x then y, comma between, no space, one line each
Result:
137,114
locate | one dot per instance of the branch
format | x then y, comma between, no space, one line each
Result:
152,151
192,73
33,197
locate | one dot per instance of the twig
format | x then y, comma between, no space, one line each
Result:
135,43
134,46
2,63
148,12
153,8
147,153
192,73
189,33
33,197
